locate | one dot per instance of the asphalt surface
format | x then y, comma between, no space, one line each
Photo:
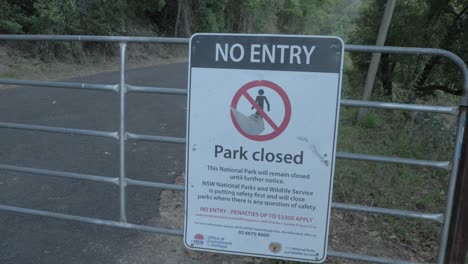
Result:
33,239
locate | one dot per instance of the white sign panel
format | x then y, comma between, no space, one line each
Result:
262,131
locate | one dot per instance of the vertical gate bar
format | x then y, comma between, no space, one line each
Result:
122,178
457,244
449,230
460,151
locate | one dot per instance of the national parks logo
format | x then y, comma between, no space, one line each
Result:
274,247
198,239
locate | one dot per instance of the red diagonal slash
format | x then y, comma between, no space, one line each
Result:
260,110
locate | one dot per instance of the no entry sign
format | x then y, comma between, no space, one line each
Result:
262,129
261,114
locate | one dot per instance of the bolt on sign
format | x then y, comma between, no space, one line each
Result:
262,131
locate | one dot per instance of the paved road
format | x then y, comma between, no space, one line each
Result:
32,239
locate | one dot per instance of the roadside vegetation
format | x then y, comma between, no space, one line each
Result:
401,78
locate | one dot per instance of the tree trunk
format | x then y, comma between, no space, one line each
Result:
424,75
453,33
375,60
386,69
232,13
187,18
176,27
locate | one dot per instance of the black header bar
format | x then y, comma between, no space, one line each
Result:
267,52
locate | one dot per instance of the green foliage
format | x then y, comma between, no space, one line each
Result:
210,16
97,17
371,121
290,16
137,8
415,23
103,17
55,17
12,18
169,17
333,18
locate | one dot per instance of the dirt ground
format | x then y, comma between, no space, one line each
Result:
350,232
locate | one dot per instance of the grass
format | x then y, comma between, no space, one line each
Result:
395,134
394,186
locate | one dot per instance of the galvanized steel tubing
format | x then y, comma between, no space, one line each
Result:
62,174
452,182
122,177
70,85
62,130
88,38
92,220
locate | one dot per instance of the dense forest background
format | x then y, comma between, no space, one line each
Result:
416,23
178,18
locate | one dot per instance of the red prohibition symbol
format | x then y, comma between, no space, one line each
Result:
277,129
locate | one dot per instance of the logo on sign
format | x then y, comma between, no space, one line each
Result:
274,247
260,110
198,239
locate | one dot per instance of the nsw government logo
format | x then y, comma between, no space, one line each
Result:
198,239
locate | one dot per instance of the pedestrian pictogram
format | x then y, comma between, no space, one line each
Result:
260,99
253,125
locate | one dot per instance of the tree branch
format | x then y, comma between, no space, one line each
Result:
430,89
459,15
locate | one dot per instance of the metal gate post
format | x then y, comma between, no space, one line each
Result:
454,242
457,243
122,134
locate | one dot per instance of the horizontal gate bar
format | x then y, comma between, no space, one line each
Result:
177,91
95,38
161,185
90,220
452,110
70,85
159,90
415,162
386,211
63,130
340,206
71,175
155,138
439,218
366,258
350,48
341,155
88,177
416,51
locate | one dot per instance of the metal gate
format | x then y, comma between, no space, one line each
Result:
122,181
